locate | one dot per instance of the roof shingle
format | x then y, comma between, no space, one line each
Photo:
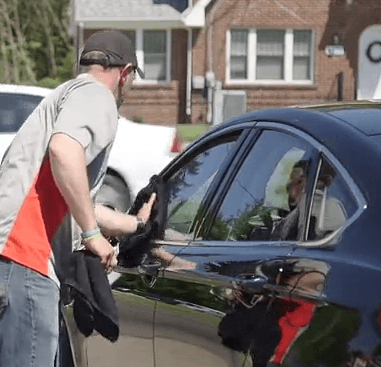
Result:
128,9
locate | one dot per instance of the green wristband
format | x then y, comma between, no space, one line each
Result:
91,234
93,237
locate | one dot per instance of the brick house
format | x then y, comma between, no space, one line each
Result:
212,59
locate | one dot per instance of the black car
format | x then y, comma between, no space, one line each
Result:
270,252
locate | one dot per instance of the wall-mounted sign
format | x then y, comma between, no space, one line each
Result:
335,50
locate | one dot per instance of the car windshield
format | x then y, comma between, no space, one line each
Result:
15,109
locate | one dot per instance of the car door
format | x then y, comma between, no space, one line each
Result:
218,288
179,337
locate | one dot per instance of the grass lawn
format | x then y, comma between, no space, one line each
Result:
190,132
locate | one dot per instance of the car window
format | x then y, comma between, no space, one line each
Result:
266,200
15,109
332,202
188,186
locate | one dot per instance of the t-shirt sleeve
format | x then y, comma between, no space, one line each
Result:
88,115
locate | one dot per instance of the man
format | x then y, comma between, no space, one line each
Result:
47,184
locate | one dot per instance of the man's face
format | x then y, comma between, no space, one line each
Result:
295,185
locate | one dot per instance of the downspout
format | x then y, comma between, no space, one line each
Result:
189,77
194,17
210,76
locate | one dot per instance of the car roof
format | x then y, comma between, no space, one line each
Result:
24,89
361,119
366,117
352,132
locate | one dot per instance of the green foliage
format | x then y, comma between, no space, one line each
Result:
49,82
65,72
138,119
191,132
35,46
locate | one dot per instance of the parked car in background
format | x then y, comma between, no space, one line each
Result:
270,253
139,150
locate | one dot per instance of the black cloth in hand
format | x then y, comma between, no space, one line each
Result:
134,247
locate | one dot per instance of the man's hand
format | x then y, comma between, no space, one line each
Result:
103,249
114,223
145,210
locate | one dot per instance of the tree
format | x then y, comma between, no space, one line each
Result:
35,46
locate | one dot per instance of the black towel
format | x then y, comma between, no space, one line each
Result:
94,305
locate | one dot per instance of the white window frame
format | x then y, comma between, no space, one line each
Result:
252,60
140,56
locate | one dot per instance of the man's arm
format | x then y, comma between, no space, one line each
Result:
68,164
115,223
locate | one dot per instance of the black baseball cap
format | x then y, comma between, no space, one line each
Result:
115,45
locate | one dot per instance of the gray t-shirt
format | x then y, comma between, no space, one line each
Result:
36,229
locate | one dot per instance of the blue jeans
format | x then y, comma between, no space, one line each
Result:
29,317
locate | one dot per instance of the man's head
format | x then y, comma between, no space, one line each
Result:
109,49
297,181
111,58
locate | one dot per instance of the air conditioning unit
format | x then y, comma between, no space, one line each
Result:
228,103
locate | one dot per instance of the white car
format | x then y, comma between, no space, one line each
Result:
139,150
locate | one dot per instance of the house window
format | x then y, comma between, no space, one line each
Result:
269,56
153,53
238,59
302,55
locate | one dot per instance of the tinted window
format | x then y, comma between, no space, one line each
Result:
188,186
15,109
332,202
267,196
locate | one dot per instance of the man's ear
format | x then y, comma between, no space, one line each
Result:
123,73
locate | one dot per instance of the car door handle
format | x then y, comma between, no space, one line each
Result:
149,268
252,283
